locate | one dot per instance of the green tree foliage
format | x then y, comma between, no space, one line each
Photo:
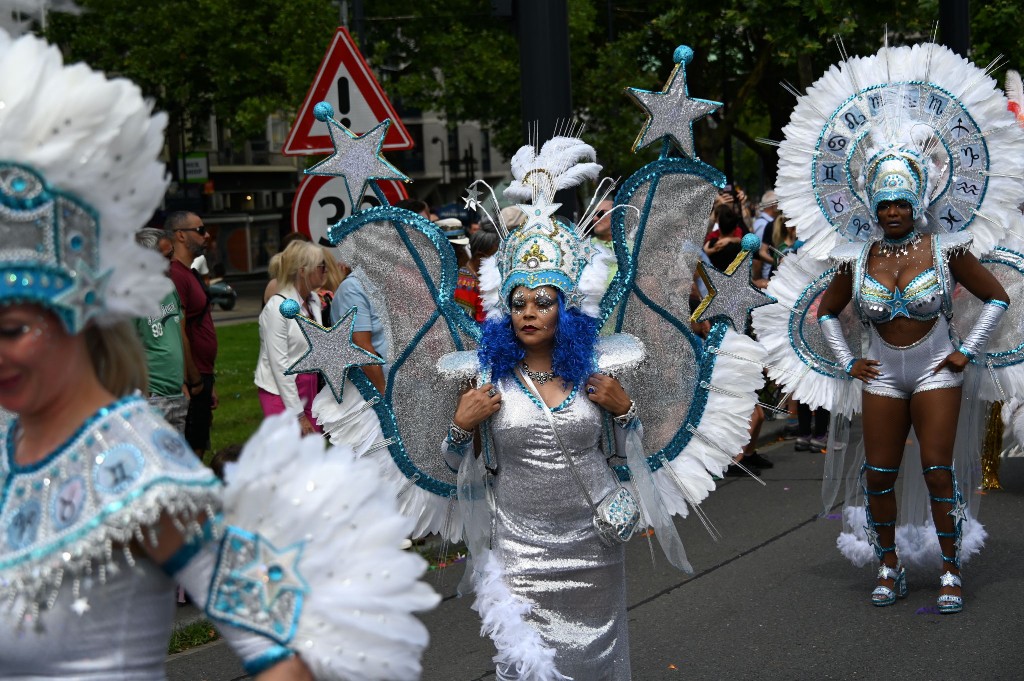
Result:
244,59
455,57
240,59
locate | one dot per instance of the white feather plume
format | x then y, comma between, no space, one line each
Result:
363,588
490,288
95,138
351,423
563,162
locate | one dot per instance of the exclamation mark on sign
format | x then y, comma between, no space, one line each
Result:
344,101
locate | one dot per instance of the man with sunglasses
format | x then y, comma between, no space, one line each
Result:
189,240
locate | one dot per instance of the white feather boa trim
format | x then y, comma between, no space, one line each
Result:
354,424
363,588
939,65
592,284
106,153
726,423
917,545
502,614
785,367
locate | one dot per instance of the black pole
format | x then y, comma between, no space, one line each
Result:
360,25
955,25
543,27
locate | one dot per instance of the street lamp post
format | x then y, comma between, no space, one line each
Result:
469,162
444,162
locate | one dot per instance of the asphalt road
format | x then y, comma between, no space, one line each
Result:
773,599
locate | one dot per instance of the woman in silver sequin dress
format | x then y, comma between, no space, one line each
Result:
544,543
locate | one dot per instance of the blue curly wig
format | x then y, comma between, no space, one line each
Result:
573,356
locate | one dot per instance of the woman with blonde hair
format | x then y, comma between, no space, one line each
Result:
335,274
301,269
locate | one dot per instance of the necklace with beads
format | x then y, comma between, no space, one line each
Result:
899,247
541,377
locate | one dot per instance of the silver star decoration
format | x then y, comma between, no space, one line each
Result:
331,352
472,198
574,298
80,606
671,112
948,579
539,211
731,296
357,159
274,570
872,536
86,295
959,511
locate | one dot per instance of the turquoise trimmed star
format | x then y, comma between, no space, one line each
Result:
357,159
872,536
331,353
959,512
897,305
84,299
540,211
672,112
274,570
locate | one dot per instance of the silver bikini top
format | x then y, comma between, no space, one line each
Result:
920,299
928,295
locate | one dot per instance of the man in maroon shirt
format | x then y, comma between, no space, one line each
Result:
190,237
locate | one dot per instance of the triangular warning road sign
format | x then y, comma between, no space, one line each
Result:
345,80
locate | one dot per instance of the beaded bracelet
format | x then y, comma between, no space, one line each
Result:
458,436
626,419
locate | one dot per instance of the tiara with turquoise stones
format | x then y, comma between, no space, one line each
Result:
50,248
546,250
79,174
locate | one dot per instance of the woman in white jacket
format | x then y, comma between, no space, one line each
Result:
301,270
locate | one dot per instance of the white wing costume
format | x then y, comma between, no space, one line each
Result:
926,104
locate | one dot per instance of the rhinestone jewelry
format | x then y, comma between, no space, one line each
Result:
541,377
625,420
457,435
899,247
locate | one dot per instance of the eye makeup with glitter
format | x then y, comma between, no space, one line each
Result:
545,301
12,331
518,302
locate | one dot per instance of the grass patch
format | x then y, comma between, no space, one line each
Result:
191,635
239,413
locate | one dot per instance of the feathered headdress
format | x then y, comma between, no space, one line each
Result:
924,113
79,174
545,250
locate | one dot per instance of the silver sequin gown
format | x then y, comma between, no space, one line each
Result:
545,536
